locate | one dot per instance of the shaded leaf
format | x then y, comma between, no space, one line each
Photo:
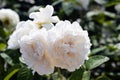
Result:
24,74
103,77
2,32
101,1
1,67
112,2
77,75
67,7
58,76
86,75
14,54
95,61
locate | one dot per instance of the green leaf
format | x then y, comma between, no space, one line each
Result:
67,7
77,75
25,74
14,55
101,1
112,2
110,14
95,61
86,75
7,58
103,77
2,47
11,74
58,76
21,60
94,51
57,2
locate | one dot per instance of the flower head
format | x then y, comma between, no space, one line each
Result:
34,52
44,16
9,17
22,28
69,45
64,45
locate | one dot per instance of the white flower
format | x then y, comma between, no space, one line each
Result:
69,45
22,28
117,8
9,17
44,16
34,52
117,45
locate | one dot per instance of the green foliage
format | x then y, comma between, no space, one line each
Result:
102,21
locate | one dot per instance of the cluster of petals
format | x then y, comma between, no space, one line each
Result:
45,46
69,45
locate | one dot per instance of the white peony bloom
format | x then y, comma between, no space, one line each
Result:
34,52
69,45
44,16
22,28
9,17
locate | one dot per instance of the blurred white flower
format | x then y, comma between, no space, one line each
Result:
9,17
69,45
22,28
34,52
117,45
44,17
117,8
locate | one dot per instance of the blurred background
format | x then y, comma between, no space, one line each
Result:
101,18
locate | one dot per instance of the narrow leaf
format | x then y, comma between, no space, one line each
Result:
7,58
103,77
24,74
11,74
